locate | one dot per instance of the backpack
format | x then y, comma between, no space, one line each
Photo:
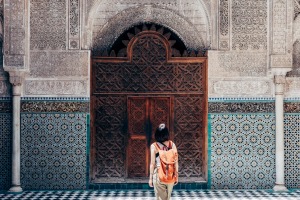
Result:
166,171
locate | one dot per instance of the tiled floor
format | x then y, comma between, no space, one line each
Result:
148,194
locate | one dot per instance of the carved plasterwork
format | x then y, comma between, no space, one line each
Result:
57,87
48,24
14,34
249,24
229,64
282,34
240,87
224,22
5,88
282,61
188,18
279,26
59,64
74,24
16,78
292,87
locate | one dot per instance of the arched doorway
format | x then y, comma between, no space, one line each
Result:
147,79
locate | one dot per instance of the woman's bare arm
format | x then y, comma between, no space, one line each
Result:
152,164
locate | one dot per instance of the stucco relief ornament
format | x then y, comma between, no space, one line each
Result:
16,80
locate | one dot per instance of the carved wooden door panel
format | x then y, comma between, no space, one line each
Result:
144,115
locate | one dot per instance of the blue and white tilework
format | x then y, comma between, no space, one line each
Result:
5,149
242,151
292,150
53,150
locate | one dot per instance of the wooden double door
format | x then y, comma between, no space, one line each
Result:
144,116
132,95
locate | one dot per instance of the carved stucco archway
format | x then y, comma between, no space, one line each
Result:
102,36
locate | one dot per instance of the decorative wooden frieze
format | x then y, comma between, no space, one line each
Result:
14,34
54,106
241,107
74,24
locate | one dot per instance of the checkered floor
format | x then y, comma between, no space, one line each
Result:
148,194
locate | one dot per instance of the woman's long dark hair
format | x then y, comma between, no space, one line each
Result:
162,133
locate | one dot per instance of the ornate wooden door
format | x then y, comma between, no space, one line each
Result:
144,115
149,82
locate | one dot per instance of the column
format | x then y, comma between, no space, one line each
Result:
279,114
16,81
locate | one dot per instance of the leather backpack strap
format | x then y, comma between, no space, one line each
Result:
170,144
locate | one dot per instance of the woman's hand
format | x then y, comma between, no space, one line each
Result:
150,182
176,182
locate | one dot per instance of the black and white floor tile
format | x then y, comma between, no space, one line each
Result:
148,195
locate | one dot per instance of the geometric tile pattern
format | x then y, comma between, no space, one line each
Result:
149,195
242,151
5,150
292,150
53,151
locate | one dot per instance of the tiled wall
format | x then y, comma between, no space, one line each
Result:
54,150
5,143
242,148
242,144
292,150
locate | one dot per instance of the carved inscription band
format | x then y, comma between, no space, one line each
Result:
251,107
46,106
241,107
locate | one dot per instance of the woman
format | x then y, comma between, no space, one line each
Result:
162,190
